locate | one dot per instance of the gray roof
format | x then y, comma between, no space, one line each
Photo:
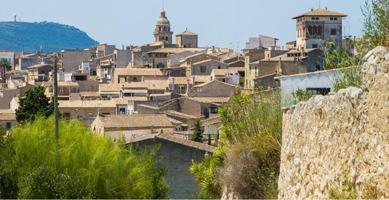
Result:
174,139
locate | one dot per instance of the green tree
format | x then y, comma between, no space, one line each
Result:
248,155
34,103
336,58
349,65
4,67
81,165
198,131
376,24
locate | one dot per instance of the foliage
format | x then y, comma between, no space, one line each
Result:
198,131
206,174
376,23
80,165
347,191
250,143
351,77
301,95
34,103
336,58
348,64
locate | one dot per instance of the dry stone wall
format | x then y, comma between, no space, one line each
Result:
340,141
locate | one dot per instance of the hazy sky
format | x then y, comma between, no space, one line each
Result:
218,22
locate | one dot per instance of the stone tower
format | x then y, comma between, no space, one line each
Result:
314,28
187,39
162,31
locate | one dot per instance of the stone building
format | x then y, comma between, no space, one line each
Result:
261,41
278,62
316,27
162,32
70,60
7,119
187,39
39,73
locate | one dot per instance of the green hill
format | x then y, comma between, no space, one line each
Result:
48,36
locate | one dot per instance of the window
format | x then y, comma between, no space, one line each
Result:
315,30
122,111
160,65
319,30
203,69
66,115
8,125
322,91
129,94
213,109
310,31
333,31
315,46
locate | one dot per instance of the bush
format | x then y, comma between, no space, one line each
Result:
80,165
376,24
198,131
301,95
247,159
34,103
351,77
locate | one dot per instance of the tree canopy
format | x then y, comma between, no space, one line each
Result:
198,131
34,103
80,165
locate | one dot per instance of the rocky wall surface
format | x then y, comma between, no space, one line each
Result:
340,142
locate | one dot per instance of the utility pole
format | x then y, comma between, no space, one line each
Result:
55,98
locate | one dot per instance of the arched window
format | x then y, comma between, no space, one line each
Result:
310,31
320,30
164,28
314,30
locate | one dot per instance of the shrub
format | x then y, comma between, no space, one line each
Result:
301,95
351,77
80,165
198,131
376,24
249,147
34,103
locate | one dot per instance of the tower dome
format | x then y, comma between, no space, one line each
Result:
162,20
162,31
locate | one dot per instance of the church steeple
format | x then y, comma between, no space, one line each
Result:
162,31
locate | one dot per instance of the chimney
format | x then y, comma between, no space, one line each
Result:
173,83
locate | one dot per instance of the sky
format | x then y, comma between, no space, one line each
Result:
223,23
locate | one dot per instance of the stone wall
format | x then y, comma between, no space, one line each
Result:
340,141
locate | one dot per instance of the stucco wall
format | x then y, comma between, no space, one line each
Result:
319,79
331,142
177,159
